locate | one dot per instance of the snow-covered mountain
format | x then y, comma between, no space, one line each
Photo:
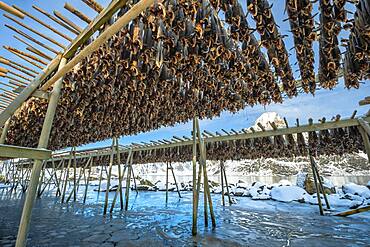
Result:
269,117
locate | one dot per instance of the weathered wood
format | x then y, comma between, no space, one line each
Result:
316,186
109,176
18,67
94,5
100,20
195,197
206,185
35,31
4,132
320,183
222,183
68,22
365,139
26,59
127,194
102,38
77,13
51,17
8,151
25,54
166,182
36,169
174,178
353,211
364,125
67,174
43,23
11,10
38,53
88,179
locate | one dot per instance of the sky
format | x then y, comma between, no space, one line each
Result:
325,103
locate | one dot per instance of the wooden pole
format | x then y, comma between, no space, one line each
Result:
67,22
74,176
133,176
41,180
19,67
77,13
365,139
94,5
316,186
122,176
88,179
109,175
227,185
67,174
222,183
35,31
166,182
51,17
174,178
11,10
36,169
4,132
119,173
31,39
320,183
44,24
194,161
128,182
206,185
101,175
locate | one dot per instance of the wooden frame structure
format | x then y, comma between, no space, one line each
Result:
52,77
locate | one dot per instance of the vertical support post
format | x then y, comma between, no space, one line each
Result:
36,169
41,179
122,176
119,174
60,179
366,141
206,185
101,175
74,176
166,182
109,175
133,176
174,178
88,179
5,131
226,183
128,181
320,183
67,174
194,161
316,186
222,183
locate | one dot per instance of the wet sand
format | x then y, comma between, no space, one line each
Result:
150,222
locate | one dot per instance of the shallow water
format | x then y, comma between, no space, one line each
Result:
151,222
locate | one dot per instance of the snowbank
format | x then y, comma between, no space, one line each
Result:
356,189
288,193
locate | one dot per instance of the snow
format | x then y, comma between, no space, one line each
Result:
356,189
4,186
301,177
288,193
267,117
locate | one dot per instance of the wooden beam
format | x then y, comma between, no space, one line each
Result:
66,21
353,211
365,125
51,17
94,5
43,23
77,13
11,10
94,26
31,38
9,151
16,67
35,31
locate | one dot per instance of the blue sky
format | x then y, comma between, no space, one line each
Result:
325,103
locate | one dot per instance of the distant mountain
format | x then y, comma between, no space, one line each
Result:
269,117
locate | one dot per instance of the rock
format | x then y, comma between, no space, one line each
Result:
355,204
288,193
356,189
146,182
309,185
301,178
